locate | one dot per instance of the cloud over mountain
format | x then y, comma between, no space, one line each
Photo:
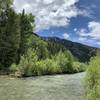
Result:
65,35
92,31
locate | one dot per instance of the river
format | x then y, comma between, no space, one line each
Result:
58,87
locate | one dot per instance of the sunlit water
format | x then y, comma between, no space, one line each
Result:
59,87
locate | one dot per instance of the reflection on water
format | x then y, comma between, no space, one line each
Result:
59,87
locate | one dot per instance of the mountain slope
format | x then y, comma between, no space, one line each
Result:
80,51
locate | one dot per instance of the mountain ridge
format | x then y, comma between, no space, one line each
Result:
81,51
46,38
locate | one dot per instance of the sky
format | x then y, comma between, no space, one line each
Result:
75,20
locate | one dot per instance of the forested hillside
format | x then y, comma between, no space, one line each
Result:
80,51
54,45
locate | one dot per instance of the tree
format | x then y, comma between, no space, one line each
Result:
4,4
26,29
15,30
39,45
9,36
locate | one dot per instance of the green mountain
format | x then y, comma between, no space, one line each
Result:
80,51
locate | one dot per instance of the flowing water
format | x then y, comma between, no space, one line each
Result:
58,87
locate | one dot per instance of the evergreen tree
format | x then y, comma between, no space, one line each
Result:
9,36
26,29
4,4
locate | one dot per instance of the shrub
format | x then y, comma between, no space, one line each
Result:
62,61
28,63
13,68
52,66
93,79
78,67
40,68
47,66
70,61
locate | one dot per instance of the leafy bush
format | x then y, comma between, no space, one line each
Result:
70,62
52,66
61,61
47,66
28,63
93,79
13,68
78,67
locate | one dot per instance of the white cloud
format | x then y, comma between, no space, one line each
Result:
75,29
82,32
48,1
82,39
87,11
49,13
98,43
65,35
93,30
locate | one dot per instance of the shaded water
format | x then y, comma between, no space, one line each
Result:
59,87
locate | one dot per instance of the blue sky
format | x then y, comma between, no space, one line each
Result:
75,20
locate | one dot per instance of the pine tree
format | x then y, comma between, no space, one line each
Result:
9,36
26,27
